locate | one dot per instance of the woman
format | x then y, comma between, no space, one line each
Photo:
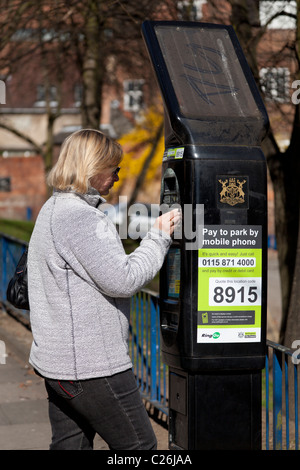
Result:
80,284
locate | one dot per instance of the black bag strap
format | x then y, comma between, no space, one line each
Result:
17,289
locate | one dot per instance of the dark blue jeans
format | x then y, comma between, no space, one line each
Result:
110,406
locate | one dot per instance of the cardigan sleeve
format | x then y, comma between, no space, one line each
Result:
91,246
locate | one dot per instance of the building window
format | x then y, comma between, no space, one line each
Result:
275,83
5,184
283,12
191,9
46,95
133,95
78,92
2,92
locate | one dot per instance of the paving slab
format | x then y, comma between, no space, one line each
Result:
24,422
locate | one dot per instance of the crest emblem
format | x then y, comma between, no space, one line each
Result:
232,191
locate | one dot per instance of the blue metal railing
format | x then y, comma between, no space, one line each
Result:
11,251
282,405
272,242
151,373
280,391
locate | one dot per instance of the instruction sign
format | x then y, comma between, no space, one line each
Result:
229,284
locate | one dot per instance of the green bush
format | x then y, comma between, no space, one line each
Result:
20,229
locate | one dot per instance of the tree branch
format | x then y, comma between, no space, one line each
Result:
24,137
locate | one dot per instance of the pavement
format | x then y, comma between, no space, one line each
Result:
24,423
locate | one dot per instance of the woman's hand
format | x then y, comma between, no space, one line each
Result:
168,221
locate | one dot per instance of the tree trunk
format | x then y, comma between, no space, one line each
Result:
286,228
290,328
292,177
284,168
92,70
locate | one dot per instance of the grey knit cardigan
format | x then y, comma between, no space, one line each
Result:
80,283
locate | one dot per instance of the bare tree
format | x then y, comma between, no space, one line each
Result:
98,40
284,166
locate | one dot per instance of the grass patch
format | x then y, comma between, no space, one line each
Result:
20,229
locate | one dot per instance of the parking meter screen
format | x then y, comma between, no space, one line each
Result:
173,271
206,74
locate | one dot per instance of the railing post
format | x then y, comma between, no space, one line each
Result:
267,400
153,357
287,405
158,360
4,269
142,336
137,332
296,406
277,399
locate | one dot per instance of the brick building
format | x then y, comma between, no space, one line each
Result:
22,187
28,101
25,107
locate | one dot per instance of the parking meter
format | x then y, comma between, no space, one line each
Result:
213,285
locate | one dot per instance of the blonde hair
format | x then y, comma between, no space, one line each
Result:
83,155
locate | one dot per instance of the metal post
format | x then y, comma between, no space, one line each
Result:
277,400
153,328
